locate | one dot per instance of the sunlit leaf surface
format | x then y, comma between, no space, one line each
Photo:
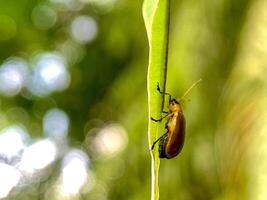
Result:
156,17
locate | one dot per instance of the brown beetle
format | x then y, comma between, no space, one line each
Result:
171,143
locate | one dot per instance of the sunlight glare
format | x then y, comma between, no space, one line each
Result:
38,156
12,140
74,172
10,177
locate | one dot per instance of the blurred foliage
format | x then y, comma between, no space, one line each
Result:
73,108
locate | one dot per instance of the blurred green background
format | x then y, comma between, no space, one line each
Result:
73,102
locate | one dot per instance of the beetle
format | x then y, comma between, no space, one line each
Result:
171,143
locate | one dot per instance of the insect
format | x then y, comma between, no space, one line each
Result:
171,143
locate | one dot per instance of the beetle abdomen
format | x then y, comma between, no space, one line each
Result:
162,144
176,136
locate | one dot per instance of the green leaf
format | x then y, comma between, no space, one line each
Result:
156,15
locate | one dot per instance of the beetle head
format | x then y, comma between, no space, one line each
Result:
174,105
173,102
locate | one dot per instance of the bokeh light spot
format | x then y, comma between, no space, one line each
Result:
72,51
8,28
84,29
13,74
110,140
44,17
49,75
74,172
56,123
103,3
74,5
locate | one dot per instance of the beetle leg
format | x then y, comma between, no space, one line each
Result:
156,120
165,112
165,93
159,120
152,147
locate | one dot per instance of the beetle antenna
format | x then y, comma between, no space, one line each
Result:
189,90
